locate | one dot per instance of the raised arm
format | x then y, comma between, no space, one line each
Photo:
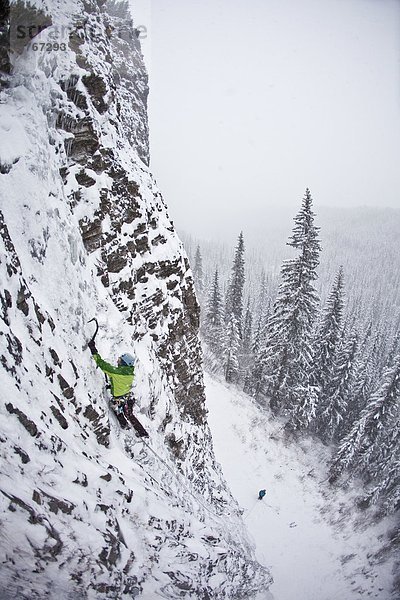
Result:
105,366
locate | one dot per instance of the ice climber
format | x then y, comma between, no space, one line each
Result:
261,494
121,380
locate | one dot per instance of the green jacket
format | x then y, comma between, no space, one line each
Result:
121,378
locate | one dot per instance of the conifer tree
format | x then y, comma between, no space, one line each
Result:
383,469
380,355
288,355
262,307
259,335
361,391
234,294
332,410
247,330
231,350
357,447
213,322
328,337
394,347
198,273
254,384
362,387
246,357
388,486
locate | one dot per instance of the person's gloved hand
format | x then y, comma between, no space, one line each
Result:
92,347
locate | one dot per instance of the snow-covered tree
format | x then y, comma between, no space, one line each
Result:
246,356
357,447
198,273
263,301
332,408
288,355
328,336
234,294
362,387
213,320
247,330
231,350
384,468
254,383
263,312
388,486
394,347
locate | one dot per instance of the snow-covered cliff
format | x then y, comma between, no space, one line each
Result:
87,510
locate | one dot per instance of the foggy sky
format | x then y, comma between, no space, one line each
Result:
252,102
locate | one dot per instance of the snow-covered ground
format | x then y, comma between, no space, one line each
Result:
315,543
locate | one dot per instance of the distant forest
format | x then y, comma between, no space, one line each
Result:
312,330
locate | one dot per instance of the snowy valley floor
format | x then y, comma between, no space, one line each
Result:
313,540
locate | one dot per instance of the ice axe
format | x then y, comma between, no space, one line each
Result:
97,328
92,339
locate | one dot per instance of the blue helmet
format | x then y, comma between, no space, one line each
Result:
128,360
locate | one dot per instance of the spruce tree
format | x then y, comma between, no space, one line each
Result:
383,469
254,384
394,347
198,273
231,350
246,357
234,294
331,411
363,385
247,330
263,303
357,447
213,322
328,336
288,355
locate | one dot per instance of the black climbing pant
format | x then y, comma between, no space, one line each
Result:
126,416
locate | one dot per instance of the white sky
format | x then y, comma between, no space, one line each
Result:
251,102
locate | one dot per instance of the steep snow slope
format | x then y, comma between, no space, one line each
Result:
314,541
86,510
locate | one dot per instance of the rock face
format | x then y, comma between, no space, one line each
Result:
84,231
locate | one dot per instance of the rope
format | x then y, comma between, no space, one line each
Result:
251,510
273,507
265,504
174,474
183,484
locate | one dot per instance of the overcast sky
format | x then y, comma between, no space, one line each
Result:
253,101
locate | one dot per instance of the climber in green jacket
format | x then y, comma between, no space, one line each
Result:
121,380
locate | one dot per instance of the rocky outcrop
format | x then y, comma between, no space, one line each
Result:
83,231
129,227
